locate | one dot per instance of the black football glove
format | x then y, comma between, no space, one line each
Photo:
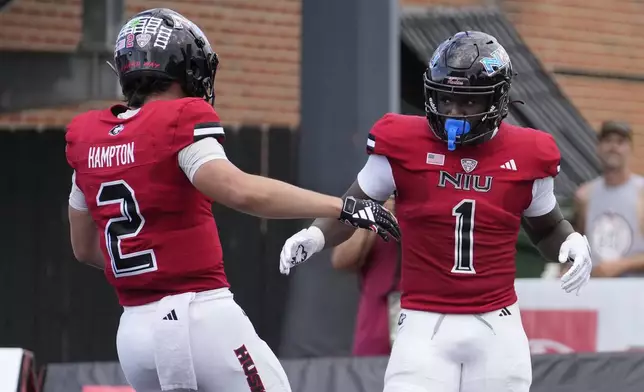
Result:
369,215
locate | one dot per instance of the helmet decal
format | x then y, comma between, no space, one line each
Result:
497,61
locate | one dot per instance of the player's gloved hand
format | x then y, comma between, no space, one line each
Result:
300,247
369,215
576,250
365,214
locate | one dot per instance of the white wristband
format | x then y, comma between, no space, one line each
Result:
318,236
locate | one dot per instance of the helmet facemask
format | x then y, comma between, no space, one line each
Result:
201,67
469,128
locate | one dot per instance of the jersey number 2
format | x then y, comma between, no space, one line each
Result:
464,237
121,227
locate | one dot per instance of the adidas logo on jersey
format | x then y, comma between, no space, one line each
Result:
171,316
505,312
509,165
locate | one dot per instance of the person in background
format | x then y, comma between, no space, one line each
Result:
610,208
376,263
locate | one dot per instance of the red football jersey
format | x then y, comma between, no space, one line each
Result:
158,234
460,211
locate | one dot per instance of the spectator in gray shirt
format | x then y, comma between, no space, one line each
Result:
609,209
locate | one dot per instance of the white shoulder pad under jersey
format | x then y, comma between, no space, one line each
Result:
376,178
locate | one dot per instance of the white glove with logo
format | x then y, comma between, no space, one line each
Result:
576,249
300,247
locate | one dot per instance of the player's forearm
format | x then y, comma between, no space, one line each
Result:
334,231
351,254
550,244
96,260
275,199
224,183
548,232
90,254
84,238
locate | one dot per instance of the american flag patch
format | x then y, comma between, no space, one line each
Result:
435,159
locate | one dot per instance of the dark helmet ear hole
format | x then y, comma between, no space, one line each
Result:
195,70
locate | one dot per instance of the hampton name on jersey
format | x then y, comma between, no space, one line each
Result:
460,211
133,171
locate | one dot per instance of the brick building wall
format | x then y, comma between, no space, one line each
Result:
259,45
600,37
53,25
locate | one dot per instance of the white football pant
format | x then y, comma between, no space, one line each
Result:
227,353
460,353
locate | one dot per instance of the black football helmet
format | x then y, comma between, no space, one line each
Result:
470,64
161,43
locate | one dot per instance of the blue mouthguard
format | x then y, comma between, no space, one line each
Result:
455,127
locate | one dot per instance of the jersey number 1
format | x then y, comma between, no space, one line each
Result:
464,237
121,227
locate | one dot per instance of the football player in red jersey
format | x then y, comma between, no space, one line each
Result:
145,177
465,182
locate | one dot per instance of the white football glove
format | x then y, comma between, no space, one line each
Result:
576,249
300,247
